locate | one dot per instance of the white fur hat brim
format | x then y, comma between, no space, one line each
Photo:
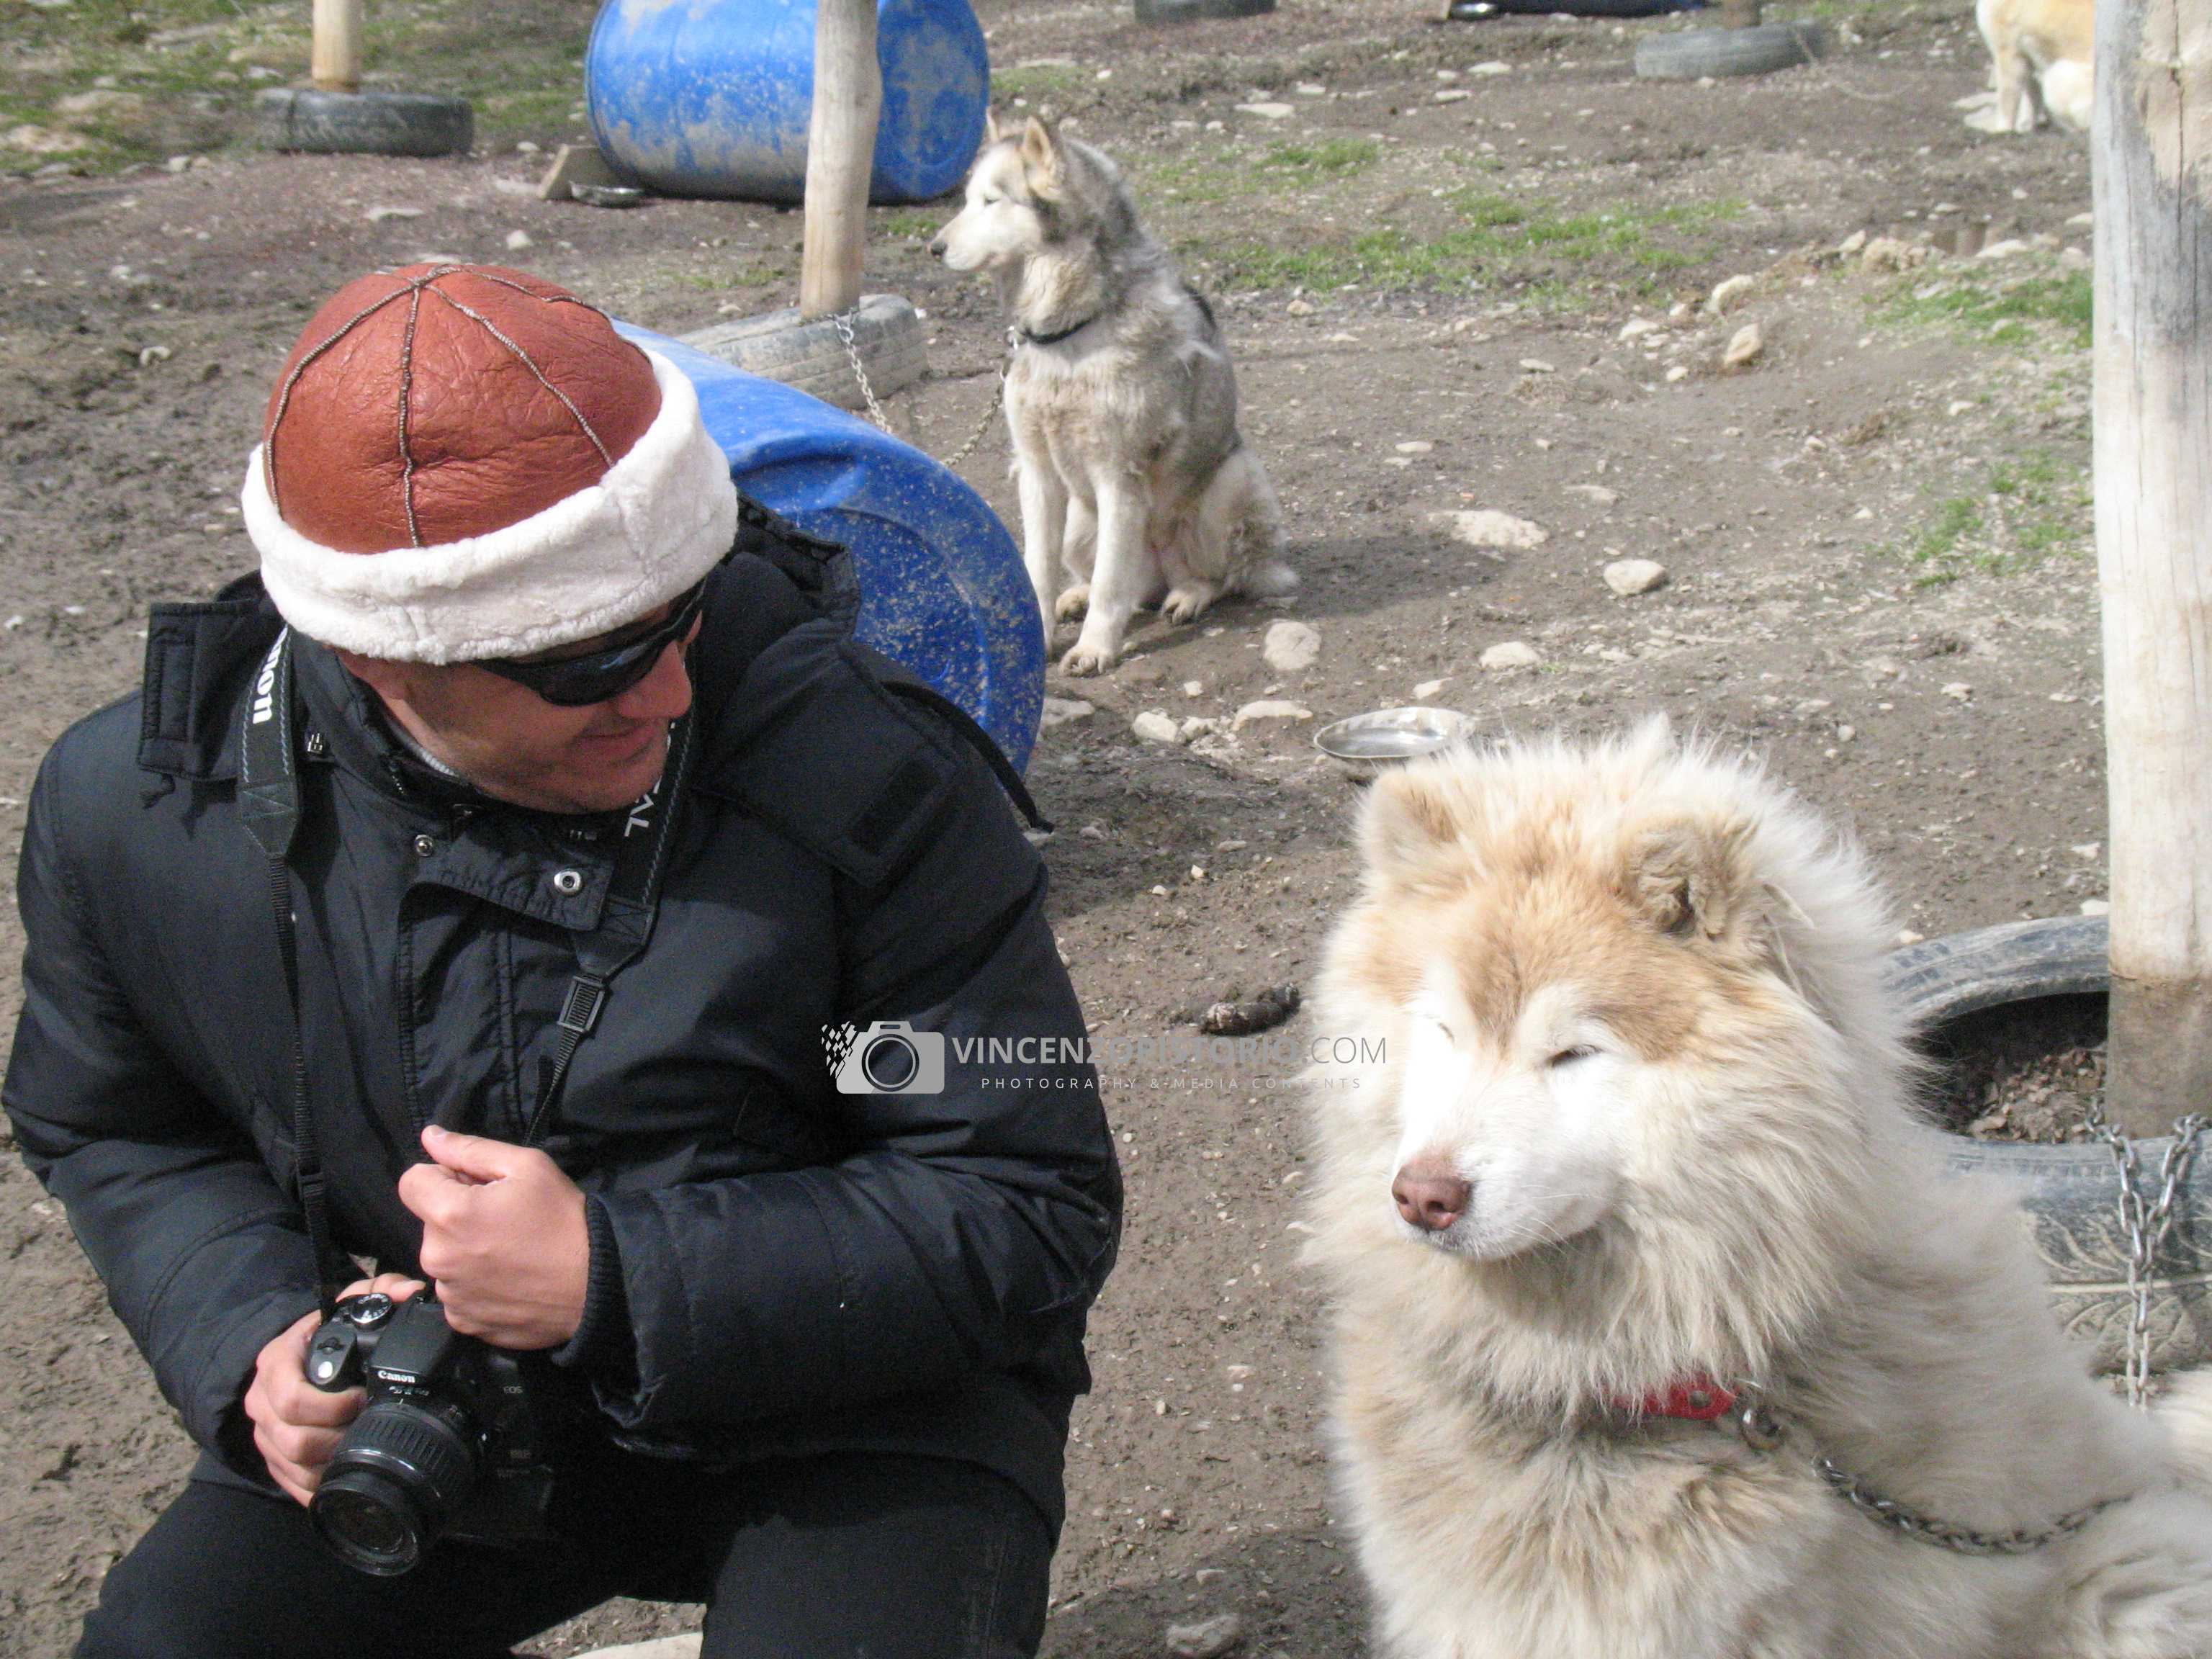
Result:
660,519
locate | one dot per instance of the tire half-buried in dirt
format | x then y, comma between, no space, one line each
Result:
1692,54
366,123
2071,1193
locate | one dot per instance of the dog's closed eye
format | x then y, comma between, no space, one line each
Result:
1569,1056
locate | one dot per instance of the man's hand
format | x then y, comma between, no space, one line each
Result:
504,1237
296,1426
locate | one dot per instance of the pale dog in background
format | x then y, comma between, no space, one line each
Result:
1122,405
2041,54
1647,1117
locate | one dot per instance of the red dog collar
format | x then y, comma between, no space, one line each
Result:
1692,1400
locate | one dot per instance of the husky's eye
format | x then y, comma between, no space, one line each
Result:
993,201
1444,1029
1569,1056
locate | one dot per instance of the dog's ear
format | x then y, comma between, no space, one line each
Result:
992,131
1408,833
1043,162
1691,879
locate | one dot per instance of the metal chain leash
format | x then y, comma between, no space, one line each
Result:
843,323
2146,1224
1762,1430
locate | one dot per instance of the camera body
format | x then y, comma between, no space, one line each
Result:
449,1443
892,1058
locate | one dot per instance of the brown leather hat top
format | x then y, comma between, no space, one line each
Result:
433,403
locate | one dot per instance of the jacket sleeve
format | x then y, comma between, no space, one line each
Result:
203,1258
964,1230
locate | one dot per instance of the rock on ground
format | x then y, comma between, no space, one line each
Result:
1488,528
1745,348
1270,709
1290,646
1513,654
1728,295
1153,726
1629,577
1062,711
1205,1638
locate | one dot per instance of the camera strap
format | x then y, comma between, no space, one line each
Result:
269,807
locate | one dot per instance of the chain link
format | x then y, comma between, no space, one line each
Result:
843,322
1902,1518
2146,1224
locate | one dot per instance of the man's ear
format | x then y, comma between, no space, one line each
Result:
392,681
1043,162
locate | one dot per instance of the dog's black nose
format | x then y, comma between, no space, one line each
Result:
1431,1196
937,246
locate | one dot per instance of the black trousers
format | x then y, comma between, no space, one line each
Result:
831,1557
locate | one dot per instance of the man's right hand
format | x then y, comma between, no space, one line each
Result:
296,1426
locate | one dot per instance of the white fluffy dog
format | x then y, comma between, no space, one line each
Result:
1631,1225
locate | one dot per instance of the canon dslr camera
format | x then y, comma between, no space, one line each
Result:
447,1445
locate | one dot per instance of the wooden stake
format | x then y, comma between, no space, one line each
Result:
335,62
841,151
2152,156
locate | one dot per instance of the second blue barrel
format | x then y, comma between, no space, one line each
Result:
712,97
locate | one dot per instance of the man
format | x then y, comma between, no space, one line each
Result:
339,939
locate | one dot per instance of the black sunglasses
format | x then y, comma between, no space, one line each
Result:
595,676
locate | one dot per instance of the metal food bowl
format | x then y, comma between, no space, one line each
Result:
1365,743
608,196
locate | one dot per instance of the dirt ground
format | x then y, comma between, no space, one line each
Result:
1875,539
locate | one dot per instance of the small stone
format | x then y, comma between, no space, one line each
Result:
1597,494
1637,327
1266,111
1851,244
1415,447
1194,688
152,355
1536,366
1310,89
1205,1638
1846,734
1232,845
2008,249
1729,295
1237,1373
1062,711
1959,689
1290,646
2081,222
2088,849
1957,407
1198,725
2073,258
1513,654
1153,726
2096,907
377,215
1745,348
1486,527
1427,689
517,240
1906,936
1298,308
1887,254
1270,709
1629,577
1491,68
1092,832
1677,373
1452,94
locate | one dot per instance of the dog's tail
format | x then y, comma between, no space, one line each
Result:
2066,93
2186,1414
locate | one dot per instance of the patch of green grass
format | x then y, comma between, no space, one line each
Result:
1040,83
919,223
2032,508
1230,175
1494,241
2008,314
99,84
1331,158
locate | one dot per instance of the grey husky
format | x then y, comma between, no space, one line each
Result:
1135,481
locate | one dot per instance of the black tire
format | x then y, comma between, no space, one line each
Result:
1694,54
366,123
1190,11
812,356
2071,1193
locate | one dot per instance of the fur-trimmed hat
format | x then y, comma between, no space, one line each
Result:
462,461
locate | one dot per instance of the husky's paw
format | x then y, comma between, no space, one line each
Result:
1986,119
1083,658
1188,603
1073,603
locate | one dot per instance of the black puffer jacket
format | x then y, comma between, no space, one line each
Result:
776,1267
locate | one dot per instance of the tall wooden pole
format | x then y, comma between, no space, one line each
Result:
2151,150
334,61
841,149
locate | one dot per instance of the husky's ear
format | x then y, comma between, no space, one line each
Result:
1043,162
1408,835
992,131
1691,877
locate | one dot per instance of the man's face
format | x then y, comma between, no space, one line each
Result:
515,746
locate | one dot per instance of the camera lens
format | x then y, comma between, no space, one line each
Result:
403,1468
891,1063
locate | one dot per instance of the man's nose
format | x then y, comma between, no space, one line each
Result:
664,694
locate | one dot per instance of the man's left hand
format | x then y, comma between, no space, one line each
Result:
504,1238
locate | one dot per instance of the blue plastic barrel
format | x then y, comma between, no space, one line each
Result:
712,97
943,589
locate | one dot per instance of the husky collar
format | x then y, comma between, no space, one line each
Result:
1697,1399
1029,338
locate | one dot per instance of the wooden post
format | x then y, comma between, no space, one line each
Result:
841,150
335,62
2151,158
